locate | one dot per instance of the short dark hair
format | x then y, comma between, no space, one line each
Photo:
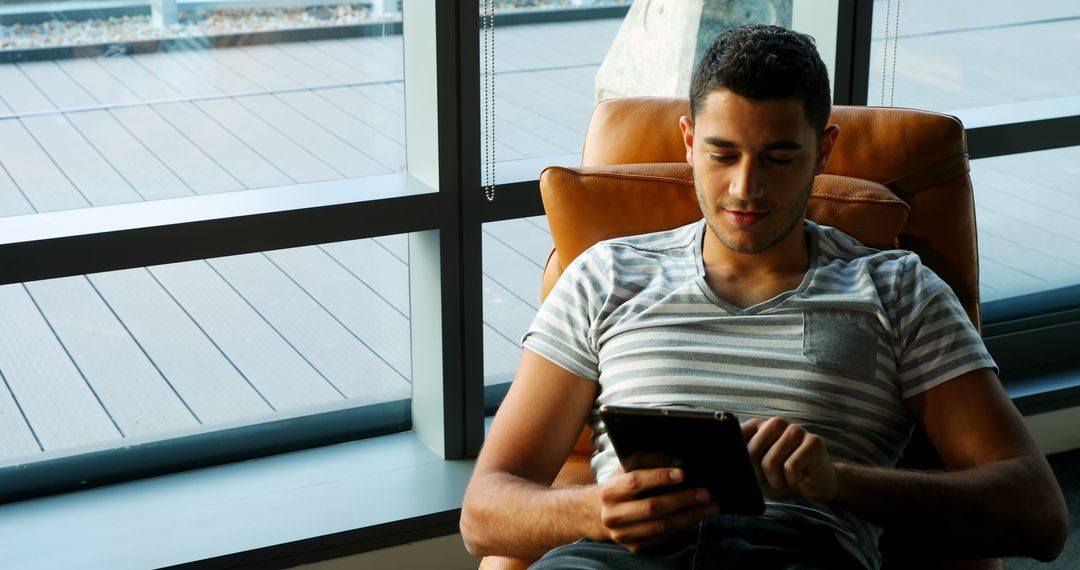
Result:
762,62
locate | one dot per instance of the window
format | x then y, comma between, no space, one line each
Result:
146,354
208,229
1026,205
91,114
1002,69
514,255
933,56
920,59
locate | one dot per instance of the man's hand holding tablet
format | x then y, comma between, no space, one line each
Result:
706,446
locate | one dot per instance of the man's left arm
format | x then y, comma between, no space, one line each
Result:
997,495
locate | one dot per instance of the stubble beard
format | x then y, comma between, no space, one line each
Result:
796,215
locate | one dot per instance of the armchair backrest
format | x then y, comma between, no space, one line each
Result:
634,152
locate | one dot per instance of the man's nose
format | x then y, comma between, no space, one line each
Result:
746,184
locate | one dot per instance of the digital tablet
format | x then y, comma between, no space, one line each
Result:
707,445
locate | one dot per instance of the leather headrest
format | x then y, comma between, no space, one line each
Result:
587,205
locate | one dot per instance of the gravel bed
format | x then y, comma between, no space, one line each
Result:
62,32
55,33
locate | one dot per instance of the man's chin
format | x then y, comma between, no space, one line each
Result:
746,242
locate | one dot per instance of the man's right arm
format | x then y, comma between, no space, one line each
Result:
510,508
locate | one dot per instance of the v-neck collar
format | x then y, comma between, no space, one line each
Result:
810,230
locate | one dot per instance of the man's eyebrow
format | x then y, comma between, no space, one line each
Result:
778,145
717,141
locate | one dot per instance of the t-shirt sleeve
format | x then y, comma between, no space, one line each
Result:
564,330
938,341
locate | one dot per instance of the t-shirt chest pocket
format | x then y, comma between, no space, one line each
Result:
841,341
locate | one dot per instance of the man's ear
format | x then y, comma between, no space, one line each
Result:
826,142
687,126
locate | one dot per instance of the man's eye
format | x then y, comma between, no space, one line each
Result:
780,160
723,157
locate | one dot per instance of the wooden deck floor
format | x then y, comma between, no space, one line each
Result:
141,353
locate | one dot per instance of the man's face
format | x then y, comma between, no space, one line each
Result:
754,165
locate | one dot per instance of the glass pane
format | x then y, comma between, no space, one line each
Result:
550,72
544,77
101,106
1028,211
112,359
514,255
972,53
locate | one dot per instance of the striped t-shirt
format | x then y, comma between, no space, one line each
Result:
865,330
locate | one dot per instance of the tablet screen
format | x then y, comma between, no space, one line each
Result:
707,445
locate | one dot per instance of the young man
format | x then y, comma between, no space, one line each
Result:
828,350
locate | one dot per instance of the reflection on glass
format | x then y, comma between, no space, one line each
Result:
103,107
108,359
1028,211
545,73
972,53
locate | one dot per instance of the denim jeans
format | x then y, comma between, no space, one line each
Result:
723,541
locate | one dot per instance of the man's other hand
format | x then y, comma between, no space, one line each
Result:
642,523
790,462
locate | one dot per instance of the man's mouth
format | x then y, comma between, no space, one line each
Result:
745,218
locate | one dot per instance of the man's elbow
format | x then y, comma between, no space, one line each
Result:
471,535
1040,515
472,527
471,546
1048,517
1052,536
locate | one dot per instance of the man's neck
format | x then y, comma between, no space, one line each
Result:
745,279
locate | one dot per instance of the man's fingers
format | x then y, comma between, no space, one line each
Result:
631,512
809,462
792,462
655,531
775,462
626,486
750,427
767,433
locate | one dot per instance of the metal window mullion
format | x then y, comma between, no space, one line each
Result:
127,246
467,68
442,147
852,70
1013,138
515,200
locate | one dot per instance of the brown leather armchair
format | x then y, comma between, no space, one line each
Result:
897,177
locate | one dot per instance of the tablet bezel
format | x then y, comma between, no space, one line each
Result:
707,444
